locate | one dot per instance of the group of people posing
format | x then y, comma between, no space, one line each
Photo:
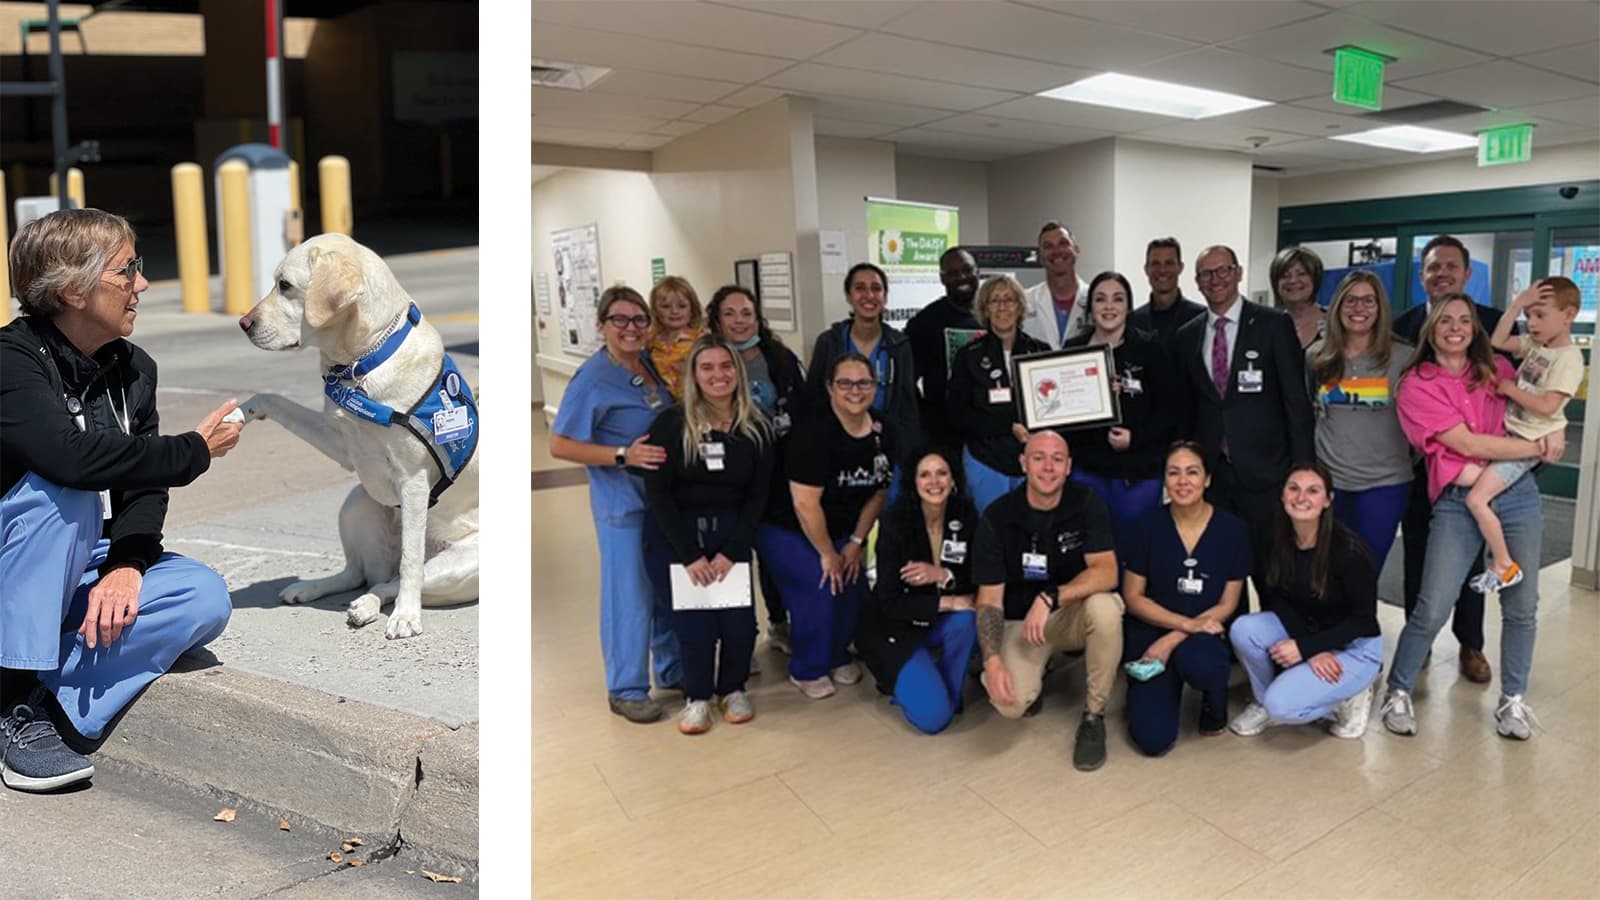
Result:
1281,445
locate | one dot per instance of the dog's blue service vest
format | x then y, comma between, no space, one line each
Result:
444,419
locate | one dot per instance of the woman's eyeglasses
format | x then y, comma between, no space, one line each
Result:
132,270
845,384
620,321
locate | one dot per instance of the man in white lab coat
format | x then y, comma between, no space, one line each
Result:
1058,308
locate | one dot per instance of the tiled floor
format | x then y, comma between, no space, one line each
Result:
840,798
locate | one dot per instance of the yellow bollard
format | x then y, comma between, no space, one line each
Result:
234,248
74,186
189,219
5,264
294,185
334,174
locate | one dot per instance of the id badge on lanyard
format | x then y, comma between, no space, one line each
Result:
75,410
1250,378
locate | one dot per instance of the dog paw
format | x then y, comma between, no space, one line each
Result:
299,592
363,610
404,625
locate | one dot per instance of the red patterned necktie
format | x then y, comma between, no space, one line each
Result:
1219,357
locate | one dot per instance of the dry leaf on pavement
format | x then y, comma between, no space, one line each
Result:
351,843
225,815
435,877
336,857
283,824
357,862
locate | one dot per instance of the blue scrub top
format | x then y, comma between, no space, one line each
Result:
1221,555
603,405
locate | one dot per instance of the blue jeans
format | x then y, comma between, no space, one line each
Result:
1454,544
1296,694
50,555
986,485
1374,514
635,620
821,623
929,690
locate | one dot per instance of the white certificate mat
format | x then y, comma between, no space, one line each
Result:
732,592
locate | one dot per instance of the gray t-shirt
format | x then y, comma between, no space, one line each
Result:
1358,430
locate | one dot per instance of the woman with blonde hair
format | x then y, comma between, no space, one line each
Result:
1354,370
708,497
676,323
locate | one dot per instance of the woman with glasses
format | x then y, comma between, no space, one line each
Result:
676,322
1123,463
778,389
839,468
91,608
1355,371
919,626
886,349
1296,275
603,424
981,403
708,497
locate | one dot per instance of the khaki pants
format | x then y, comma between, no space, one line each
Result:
1093,625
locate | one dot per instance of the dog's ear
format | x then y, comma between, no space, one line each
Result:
336,284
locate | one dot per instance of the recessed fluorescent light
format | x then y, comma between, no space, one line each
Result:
1410,138
1148,95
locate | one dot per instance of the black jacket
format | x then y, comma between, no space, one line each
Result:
1152,407
896,619
985,427
793,406
926,331
39,369
1268,430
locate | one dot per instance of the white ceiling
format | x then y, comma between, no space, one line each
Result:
956,78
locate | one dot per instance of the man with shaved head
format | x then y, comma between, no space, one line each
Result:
1045,570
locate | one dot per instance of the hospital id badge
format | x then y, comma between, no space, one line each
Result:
715,455
1250,381
1190,585
105,505
780,423
1131,386
1000,395
953,551
451,425
1035,566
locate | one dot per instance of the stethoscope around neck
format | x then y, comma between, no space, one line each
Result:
75,408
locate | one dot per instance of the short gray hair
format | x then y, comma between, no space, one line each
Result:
66,250
993,285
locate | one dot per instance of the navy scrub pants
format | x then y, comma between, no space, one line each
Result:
706,670
821,624
1155,706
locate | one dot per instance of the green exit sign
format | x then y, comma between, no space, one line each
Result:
1511,144
1358,78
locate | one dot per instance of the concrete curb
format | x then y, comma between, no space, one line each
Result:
350,766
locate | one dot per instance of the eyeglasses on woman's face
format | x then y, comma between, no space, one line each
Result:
854,384
622,322
131,271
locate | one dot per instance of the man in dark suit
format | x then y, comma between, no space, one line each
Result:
1247,384
1446,265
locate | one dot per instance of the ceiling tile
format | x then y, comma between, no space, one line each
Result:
1015,129
1302,44
993,148
846,128
810,78
697,24
677,129
620,51
755,95
646,142
624,124
1038,34
579,137
853,13
1501,29
1224,70
1577,61
1501,83
940,62
935,151
1221,133
1584,111
711,114
664,87
1296,120
898,115
558,100
1207,21
1393,98
1077,115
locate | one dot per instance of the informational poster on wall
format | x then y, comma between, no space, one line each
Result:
1584,269
907,239
578,287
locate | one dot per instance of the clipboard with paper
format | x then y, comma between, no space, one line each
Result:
732,592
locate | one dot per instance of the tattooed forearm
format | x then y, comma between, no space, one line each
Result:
991,626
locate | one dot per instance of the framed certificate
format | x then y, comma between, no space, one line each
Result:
1066,389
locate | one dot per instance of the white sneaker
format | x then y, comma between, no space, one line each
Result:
695,718
849,673
1398,715
1351,716
1252,721
816,688
1515,718
737,708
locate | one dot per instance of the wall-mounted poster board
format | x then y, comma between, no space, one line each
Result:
578,287
906,239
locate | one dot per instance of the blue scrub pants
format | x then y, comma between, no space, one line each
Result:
1375,515
1296,694
699,631
1127,501
50,554
985,484
1155,706
635,620
821,624
929,690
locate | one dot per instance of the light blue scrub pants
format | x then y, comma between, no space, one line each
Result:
1296,694
635,621
50,554
985,484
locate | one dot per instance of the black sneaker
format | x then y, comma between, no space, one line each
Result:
1212,722
32,755
1089,748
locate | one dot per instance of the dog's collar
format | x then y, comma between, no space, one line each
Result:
385,349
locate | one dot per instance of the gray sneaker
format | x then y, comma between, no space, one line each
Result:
1252,721
1089,747
1515,719
695,718
32,755
641,711
1398,716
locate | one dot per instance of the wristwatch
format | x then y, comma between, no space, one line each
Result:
858,541
1051,599
622,457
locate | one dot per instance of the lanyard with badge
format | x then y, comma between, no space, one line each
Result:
75,410
1250,377
651,392
1035,565
1189,583
713,452
954,548
999,389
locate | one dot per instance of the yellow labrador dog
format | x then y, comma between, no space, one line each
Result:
397,412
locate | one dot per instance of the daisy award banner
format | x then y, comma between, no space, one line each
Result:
906,239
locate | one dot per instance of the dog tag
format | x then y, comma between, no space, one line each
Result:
1035,566
105,505
1000,395
1250,381
954,551
451,425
